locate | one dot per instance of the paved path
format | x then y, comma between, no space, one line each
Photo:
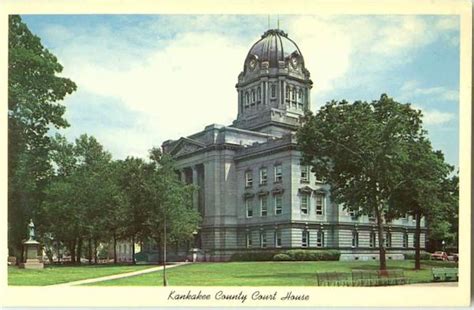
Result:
439,284
116,276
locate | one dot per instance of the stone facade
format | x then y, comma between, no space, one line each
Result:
253,191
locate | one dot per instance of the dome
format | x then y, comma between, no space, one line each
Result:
274,46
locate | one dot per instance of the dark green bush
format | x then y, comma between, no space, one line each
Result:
423,256
253,256
313,255
282,257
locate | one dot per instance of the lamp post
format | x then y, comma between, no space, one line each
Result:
165,281
443,244
194,251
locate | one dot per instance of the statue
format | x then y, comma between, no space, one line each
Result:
31,230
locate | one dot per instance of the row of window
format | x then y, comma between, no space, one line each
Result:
277,206
255,95
373,237
263,241
263,176
305,240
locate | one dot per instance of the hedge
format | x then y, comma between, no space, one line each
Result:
290,255
423,256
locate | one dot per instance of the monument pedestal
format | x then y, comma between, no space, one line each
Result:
31,256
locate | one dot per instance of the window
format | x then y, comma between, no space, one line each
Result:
405,217
388,240
372,239
278,174
263,176
247,99
405,240
305,238
277,238
372,217
263,239
320,204
249,207
300,94
273,91
293,94
304,203
320,239
248,179
259,94
317,180
253,95
263,206
355,239
304,174
278,204
287,93
248,239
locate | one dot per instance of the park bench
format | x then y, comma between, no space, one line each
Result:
377,277
445,274
333,279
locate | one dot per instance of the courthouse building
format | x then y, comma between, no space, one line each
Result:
253,191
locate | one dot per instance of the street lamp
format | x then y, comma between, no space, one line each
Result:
194,250
443,243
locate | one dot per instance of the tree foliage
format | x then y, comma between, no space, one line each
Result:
359,149
34,93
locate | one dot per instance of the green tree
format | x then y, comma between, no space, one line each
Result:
423,192
358,149
34,90
170,203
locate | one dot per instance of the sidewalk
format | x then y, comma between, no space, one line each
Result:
116,276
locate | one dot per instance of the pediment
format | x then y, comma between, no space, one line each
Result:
186,146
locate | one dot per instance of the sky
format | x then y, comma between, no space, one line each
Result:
144,79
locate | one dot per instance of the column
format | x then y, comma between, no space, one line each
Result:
195,183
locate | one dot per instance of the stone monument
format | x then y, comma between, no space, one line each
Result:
31,247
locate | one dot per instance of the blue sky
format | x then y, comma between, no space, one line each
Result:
143,79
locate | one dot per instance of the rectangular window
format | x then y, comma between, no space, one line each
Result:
355,239
320,204
263,239
277,238
320,239
248,240
278,204
405,240
304,203
278,173
273,90
317,180
372,241
248,179
263,206
304,174
249,207
305,238
263,176
372,218
388,240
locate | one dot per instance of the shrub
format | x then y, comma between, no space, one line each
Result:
423,256
313,255
282,257
253,256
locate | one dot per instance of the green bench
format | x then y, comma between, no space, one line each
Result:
445,274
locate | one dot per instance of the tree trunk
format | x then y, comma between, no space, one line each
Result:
79,251
417,241
90,251
73,251
383,262
95,251
115,249
133,250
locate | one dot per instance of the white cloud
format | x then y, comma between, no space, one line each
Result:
181,80
412,89
436,117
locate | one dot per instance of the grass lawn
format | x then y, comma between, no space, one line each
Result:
61,274
267,273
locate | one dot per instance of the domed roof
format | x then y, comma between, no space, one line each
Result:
274,46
